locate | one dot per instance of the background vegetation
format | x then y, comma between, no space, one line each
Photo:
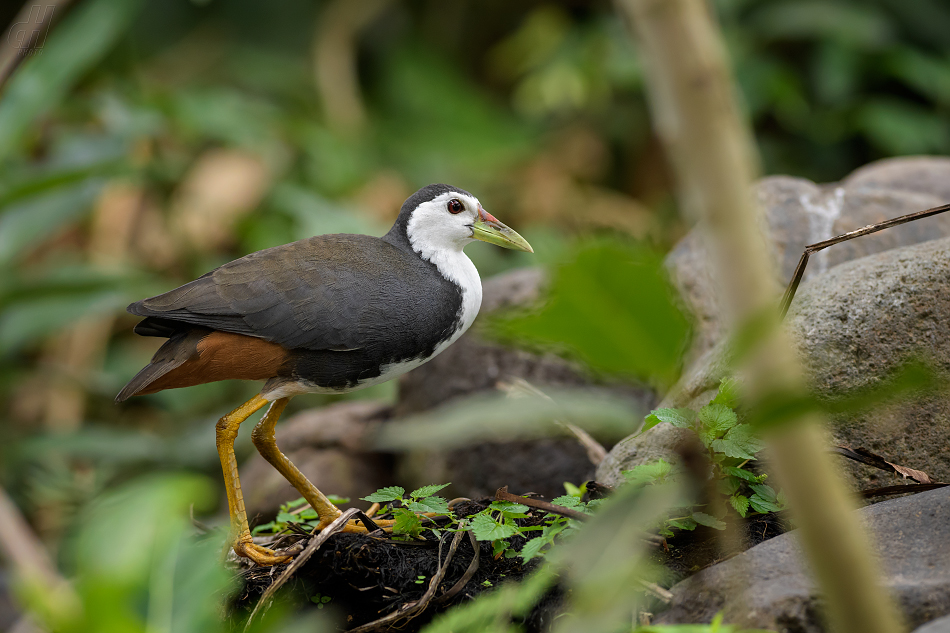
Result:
150,141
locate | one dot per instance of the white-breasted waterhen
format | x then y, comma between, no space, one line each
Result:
328,314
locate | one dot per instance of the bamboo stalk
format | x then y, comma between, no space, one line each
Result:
695,112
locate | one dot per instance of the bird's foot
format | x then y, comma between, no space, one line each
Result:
259,554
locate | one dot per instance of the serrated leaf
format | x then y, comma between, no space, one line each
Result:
294,503
426,491
389,493
717,418
781,499
648,473
508,507
308,514
437,505
407,522
741,473
568,501
729,485
681,418
533,548
728,395
740,441
764,491
763,505
708,520
683,524
486,528
740,503
649,422
286,517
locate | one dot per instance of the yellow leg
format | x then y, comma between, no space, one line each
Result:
266,442
226,432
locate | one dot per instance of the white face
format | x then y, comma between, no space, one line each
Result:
443,223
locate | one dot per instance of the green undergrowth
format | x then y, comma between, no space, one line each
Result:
731,447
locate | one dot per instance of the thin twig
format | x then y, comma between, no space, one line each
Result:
900,489
844,237
502,494
412,609
315,543
469,573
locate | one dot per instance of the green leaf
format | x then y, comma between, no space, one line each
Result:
717,419
309,514
641,333
430,504
728,395
760,504
740,503
741,473
708,520
383,495
508,507
764,491
286,517
264,527
648,473
681,418
426,491
485,528
729,485
69,52
740,441
568,501
294,503
336,500
407,522
533,548
686,523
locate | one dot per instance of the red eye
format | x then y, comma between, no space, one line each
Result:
455,206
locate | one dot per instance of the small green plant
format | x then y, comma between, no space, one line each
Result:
419,580
731,445
296,512
320,600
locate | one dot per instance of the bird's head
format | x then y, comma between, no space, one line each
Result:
441,217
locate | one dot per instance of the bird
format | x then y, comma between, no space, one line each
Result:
327,314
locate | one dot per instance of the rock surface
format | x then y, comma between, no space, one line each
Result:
940,625
769,586
855,323
798,212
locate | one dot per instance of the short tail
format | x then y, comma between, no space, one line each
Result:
177,350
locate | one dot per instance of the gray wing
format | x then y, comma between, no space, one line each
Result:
332,292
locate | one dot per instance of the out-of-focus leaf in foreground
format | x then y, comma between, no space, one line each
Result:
83,37
613,307
500,418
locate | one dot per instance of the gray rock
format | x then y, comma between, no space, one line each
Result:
940,625
854,326
856,318
769,586
920,174
327,445
798,212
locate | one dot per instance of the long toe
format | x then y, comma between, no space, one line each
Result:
259,554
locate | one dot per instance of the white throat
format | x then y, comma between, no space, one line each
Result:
453,264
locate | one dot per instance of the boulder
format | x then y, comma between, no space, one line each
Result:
865,309
940,625
799,212
769,586
854,326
